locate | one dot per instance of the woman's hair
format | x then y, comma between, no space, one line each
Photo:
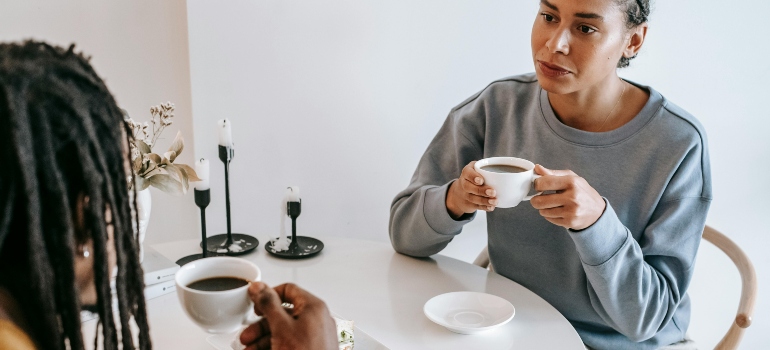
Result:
62,154
637,12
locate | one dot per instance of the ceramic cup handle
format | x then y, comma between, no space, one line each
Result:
250,317
534,177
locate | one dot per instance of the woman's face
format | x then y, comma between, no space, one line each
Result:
577,44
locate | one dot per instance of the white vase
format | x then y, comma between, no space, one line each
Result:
143,208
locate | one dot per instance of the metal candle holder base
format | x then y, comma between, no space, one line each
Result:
241,244
306,247
300,247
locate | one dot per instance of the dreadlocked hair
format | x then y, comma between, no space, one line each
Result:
637,12
62,139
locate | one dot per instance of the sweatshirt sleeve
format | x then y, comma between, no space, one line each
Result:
419,222
636,285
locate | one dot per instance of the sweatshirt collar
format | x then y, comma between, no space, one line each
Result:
607,138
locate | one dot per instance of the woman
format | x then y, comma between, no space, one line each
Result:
612,243
65,217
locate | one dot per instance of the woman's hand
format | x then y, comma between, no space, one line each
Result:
307,326
468,194
574,205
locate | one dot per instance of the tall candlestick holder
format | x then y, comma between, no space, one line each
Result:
300,246
202,200
230,243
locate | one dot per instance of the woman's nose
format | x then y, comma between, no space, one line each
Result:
559,42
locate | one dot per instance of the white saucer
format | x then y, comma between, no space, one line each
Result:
469,312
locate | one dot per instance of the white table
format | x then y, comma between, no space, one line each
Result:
384,293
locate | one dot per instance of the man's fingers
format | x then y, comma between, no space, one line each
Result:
254,332
302,299
261,344
267,303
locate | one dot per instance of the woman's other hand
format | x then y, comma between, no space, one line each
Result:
574,204
468,194
307,326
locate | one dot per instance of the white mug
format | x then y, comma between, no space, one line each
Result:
510,188
221,311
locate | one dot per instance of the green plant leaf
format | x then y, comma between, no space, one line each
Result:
177,146
166,183
143,148
191,174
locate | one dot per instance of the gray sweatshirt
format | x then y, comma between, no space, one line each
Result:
622,282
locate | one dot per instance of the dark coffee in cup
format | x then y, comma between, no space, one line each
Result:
503,168
218,284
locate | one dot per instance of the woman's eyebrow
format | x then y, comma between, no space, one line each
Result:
550,5
579,14
589,16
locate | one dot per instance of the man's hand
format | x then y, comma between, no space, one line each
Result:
307,326
574,205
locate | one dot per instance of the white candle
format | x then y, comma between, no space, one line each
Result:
225,133
292,194
202,170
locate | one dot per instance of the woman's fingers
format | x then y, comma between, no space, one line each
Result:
553,213
547,201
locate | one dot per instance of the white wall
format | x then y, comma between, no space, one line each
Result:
342,98
140,49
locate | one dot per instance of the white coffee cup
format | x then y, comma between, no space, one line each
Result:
221,311
510,188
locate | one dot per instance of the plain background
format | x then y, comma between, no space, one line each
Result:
139,48
342,98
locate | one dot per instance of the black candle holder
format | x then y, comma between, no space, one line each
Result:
202,200
229,243
300,247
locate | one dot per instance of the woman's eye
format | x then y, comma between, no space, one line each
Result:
547,17
586,29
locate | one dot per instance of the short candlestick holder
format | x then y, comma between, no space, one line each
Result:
300,247
202,200
230,243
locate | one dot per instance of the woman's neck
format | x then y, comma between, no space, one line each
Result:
595,108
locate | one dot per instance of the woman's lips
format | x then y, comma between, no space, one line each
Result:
552,70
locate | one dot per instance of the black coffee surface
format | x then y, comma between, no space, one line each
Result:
501,168
218,284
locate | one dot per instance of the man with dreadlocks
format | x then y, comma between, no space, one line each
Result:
65,217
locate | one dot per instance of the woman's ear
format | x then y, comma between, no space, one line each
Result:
635,40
